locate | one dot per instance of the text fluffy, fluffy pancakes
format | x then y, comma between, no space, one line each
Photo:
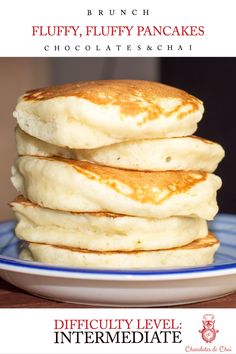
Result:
97,113
81,186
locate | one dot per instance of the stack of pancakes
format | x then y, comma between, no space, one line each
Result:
110,176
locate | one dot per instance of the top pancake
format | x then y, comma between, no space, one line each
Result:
97,113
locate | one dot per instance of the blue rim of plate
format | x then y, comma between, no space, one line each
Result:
224,226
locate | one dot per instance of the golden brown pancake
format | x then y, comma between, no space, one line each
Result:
84,187
90,114
130,95
141,186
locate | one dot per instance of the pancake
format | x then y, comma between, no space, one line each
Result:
186,153
103,231
197,253
81,186
91,114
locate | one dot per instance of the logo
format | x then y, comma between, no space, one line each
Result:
208,331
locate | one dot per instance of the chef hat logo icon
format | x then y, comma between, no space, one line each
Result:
208,330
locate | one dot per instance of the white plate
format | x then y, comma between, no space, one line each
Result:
152,287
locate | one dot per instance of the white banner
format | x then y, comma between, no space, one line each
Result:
41,331
125,28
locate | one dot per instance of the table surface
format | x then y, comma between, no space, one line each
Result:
12,297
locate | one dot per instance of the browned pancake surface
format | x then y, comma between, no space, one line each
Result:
142,186
132,96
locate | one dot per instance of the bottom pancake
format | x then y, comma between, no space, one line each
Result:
197,253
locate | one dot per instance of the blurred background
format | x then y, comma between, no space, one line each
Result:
211,79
